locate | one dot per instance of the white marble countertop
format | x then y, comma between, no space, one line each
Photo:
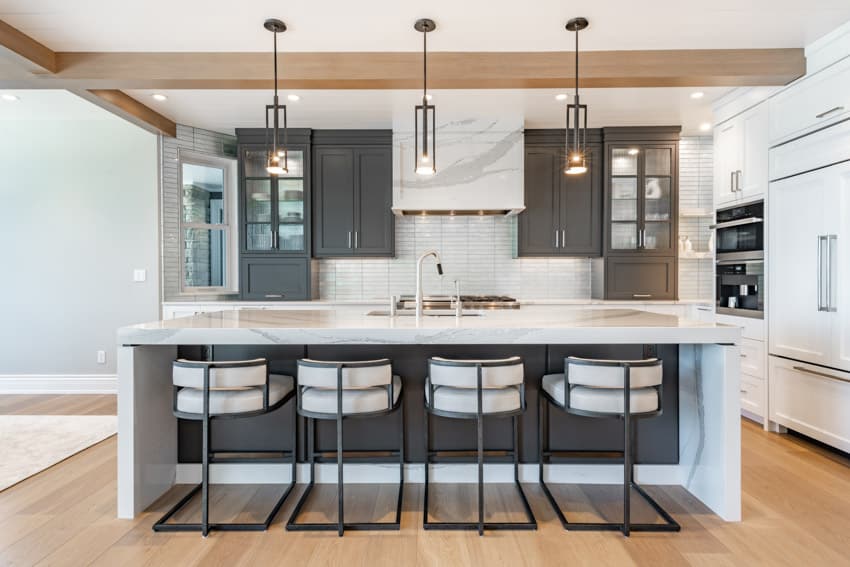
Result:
385,301
533,324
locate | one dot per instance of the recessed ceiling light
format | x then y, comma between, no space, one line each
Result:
561,96
698,94
159,97
293,97
9,97
705,126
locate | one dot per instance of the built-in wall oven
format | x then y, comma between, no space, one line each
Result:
739,272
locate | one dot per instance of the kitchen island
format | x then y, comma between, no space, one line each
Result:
695,443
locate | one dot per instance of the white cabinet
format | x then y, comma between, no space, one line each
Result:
809,269
814,102
741,157
811,400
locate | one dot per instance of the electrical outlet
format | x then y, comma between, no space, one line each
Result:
140,275
101,357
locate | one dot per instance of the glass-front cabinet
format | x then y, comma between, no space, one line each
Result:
274,206
641,198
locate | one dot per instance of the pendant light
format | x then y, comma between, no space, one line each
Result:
276,159
425,113
576,154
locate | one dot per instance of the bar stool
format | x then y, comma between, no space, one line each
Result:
207,391
475,389
339,391
625,389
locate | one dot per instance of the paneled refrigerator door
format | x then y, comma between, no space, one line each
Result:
837,256
799,321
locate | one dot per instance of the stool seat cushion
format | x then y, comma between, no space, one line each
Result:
233,401
465,400
354,401
602,400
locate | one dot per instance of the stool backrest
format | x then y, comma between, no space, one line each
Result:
495,373
223,375
355,375
596,373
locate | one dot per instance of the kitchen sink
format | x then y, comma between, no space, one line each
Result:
426,313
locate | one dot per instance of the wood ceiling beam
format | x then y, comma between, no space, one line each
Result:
125,106
402,70
26,51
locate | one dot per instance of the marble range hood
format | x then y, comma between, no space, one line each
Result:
479,170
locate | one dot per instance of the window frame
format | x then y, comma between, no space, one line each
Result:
230,226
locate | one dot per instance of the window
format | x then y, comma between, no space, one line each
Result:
208,250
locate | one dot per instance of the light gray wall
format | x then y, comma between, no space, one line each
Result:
79,214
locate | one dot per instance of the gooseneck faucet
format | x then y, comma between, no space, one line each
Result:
421,259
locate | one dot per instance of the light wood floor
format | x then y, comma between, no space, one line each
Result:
796,512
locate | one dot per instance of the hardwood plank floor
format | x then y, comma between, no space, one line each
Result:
796,503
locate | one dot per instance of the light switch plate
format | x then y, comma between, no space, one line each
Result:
101,357
140,275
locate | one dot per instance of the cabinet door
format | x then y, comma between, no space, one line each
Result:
334,202
726,152
632,277
799,328
539,233
275,279
624,199
838,227
581,210
374,221
753,177
258,202
658,206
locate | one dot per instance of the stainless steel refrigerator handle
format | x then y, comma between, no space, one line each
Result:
821,239
830,306
738,222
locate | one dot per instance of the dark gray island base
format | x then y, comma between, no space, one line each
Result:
657,438
695,443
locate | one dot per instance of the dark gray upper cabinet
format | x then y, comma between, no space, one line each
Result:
640,278
563,214
353,193
641,191
265,278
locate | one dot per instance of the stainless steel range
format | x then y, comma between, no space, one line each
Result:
445,302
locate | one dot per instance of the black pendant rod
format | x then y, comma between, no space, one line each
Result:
274,133
577,149
424,94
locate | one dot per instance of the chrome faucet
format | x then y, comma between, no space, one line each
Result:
421,259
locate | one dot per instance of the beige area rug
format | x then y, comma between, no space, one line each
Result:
31,443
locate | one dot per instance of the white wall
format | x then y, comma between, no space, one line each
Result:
79,214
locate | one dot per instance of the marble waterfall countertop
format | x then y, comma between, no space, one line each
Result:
533,324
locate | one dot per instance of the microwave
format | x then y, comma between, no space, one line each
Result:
739,231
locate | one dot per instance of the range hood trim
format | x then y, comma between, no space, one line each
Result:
400,212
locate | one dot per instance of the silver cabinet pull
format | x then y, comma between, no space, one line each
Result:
274,296
641,295
821,374
274,240
826,113
743,355
349,239
355,239
821,265
556,238
564,238
830,305
738,180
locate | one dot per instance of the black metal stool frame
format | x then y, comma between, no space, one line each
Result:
479,415
208,456
626,456
341,525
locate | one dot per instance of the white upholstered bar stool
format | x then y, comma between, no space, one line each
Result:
337,391
624,389
208,391
473,390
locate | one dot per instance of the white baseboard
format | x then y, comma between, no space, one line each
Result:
58,384
278,473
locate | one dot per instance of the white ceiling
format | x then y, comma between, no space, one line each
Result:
50,105
224,110
386,25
